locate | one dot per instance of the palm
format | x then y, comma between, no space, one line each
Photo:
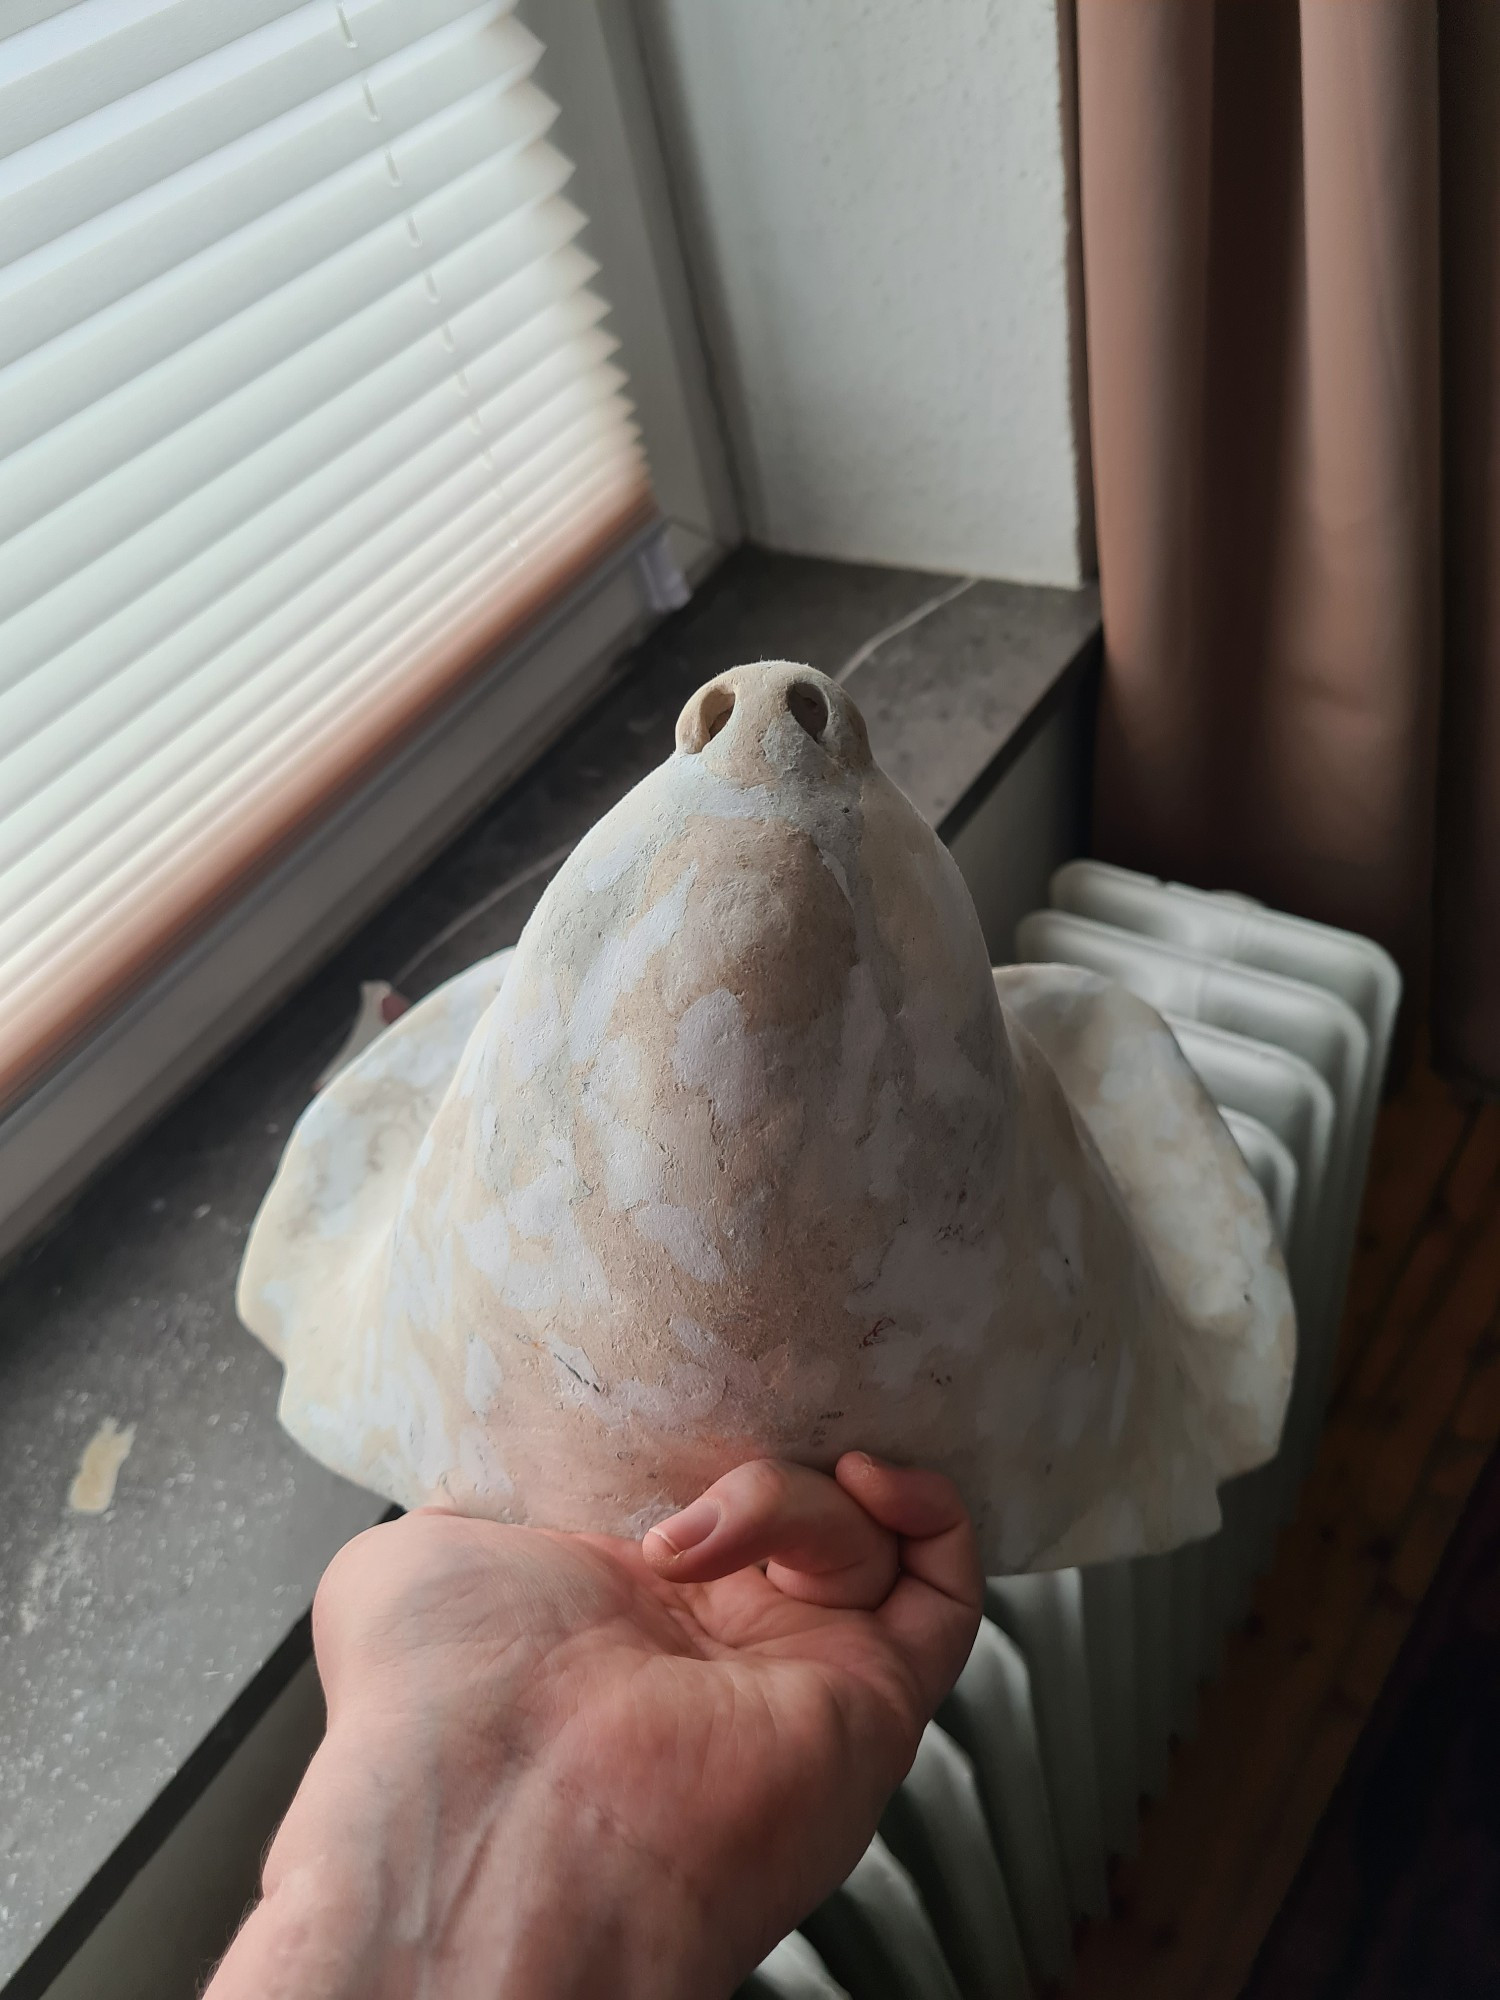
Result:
717,1714
735,1727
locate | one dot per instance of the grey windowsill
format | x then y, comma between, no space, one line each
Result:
137,1645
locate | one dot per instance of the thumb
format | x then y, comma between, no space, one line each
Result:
817,1543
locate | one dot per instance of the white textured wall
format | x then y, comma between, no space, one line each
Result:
876,203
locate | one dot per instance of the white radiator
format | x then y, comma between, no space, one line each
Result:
1033,1772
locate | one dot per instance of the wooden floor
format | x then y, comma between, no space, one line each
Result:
1415,1414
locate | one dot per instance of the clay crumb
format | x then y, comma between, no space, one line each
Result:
93,1490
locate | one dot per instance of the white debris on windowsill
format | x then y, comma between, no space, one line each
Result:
93,1488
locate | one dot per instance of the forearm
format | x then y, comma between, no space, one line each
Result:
537,1898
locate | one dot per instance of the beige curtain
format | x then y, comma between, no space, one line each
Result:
1291,246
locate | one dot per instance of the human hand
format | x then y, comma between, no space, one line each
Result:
574,1765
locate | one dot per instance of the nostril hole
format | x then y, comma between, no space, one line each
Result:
809,708
704,717
718,706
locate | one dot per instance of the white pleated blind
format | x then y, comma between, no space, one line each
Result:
305,404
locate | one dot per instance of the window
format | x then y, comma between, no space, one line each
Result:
311,419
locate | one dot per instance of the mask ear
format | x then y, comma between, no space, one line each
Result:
1196,1207
346,1164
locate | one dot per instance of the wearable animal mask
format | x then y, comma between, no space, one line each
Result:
744,1149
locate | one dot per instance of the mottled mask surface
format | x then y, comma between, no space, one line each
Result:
740,1152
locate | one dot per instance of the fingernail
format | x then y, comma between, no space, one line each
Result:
693,1525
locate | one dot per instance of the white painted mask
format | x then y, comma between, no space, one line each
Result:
744,1150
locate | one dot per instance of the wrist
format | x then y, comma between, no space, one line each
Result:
568,1906
506,1880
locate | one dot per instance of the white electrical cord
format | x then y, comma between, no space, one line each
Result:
497,895
924,610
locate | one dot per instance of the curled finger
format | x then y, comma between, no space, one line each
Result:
933,1611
